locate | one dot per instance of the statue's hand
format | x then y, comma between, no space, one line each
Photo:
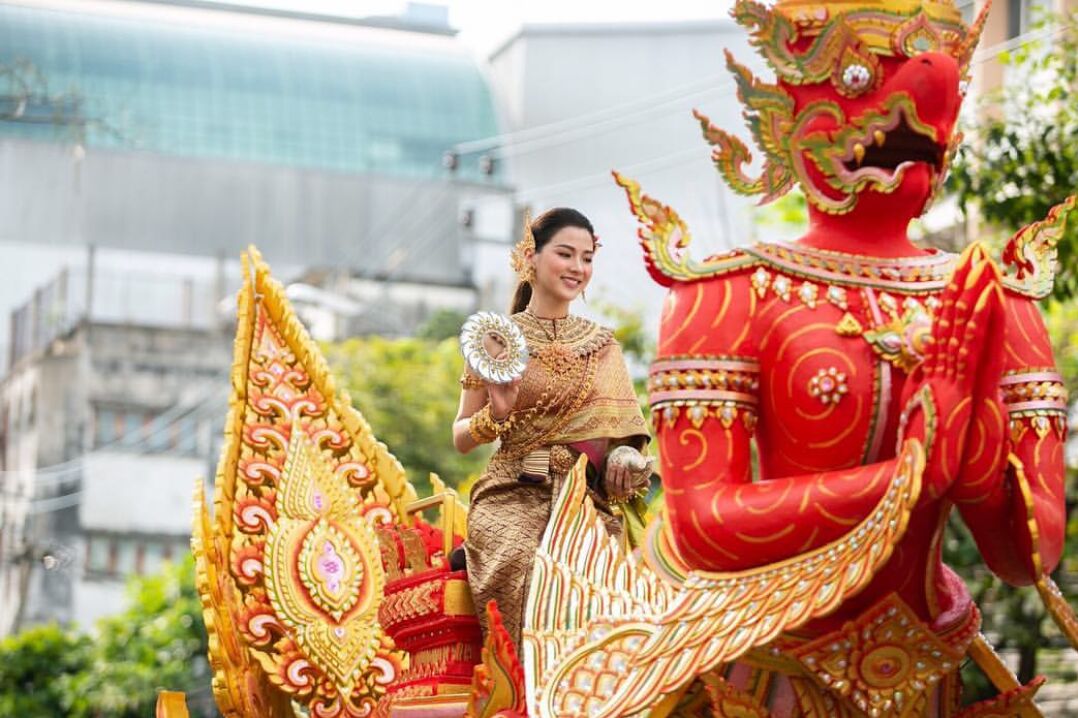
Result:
962,367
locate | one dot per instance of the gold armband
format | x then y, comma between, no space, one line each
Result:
471,381
483,427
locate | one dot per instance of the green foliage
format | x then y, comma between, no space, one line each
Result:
408,390
637,345
30,663
789,210
1022,159
442,324
158,643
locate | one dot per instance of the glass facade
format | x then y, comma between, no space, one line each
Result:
133,84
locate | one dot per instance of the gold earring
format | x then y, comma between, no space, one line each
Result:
519,257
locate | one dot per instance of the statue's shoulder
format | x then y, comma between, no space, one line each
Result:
669,271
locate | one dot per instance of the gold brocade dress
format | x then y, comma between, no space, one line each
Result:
576,393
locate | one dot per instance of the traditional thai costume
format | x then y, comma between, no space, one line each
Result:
575,397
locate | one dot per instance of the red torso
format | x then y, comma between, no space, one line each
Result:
824,410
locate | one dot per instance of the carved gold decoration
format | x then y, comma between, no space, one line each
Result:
1029,257
828,385
1054,602
886,662
171,704
289,569
848,326
665,239
729,701
605,636
901,341
1017,702
497,684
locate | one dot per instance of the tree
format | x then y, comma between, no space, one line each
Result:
29,665
158,643
408,390
442,324
1023,155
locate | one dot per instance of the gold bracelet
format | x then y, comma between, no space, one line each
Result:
471,381
484,428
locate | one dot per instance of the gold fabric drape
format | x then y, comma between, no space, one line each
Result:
576,388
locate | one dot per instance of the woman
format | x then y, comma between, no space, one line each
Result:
575,397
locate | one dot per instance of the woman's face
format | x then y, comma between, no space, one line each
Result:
563,266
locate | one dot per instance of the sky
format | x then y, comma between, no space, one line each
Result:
484,24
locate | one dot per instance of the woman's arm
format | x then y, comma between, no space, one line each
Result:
471,401
502,398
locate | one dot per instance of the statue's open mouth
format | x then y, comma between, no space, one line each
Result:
882,144
887,149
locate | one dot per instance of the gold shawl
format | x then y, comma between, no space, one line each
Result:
575,388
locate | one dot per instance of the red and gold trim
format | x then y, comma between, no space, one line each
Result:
721,388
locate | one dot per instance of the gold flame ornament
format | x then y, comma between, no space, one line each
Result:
288,566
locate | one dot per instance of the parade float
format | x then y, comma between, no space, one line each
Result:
884,388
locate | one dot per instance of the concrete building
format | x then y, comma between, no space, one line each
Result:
143,145
195,128
579,100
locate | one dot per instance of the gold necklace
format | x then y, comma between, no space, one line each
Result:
556,355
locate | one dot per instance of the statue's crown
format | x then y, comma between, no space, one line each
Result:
803,39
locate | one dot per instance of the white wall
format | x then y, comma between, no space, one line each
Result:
134,493
568,74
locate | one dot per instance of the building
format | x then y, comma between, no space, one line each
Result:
196,128
582,99
143,145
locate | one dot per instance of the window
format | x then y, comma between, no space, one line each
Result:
104,427
126,557
132,428
153,555
188,438
98,554
159,433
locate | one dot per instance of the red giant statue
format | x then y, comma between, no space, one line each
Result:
883,386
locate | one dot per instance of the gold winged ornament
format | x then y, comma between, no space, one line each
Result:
607,635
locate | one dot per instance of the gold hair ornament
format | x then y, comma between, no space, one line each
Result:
519,257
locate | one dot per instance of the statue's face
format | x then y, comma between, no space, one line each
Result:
894,139
866,101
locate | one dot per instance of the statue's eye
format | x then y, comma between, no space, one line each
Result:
856,77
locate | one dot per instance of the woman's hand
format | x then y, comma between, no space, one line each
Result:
627,472
503,397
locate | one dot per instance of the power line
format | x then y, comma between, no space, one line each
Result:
582,127
671,160
559,126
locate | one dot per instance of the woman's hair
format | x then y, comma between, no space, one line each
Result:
544,227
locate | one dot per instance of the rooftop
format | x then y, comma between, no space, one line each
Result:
203,79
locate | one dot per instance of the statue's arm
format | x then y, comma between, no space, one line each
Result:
1012,516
